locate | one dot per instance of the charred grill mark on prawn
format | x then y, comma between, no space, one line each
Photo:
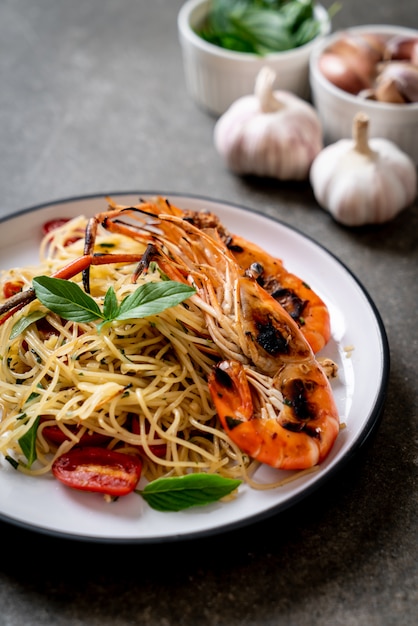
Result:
291,302
286,297
270,338
300,409
298,400
299,435
293,294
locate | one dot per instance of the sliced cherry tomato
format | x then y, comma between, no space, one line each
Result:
54,224
45,329
12,287
99,470
71,240
57,223
57,436
159,449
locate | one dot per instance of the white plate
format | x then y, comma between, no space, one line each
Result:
45,505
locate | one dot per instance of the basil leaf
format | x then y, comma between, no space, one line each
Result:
152,298
266,30
66,299
69,301
110,305
306,32
295,13
32,397
12,461
182,492
23,323
28,442
259,26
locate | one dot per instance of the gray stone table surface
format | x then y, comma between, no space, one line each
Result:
93,100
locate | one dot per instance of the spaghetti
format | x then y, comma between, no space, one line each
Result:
141,385
216,384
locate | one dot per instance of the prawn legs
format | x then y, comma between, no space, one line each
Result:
81,264
271,395
302,303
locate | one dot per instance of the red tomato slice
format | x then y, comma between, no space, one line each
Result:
12,287
57,436
57,223
54,224
45,329
71,240
99,470
159,449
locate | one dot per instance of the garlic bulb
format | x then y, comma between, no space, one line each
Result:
269,133
361,181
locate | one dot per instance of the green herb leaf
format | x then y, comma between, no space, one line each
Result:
260,26
12,461
69,301
66,299
266,30
182,492
23,323
307,31
110,305
152,298
32,397
28,442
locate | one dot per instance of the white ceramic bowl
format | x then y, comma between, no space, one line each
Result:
216,77
336,108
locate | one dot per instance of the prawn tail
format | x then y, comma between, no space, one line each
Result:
289,422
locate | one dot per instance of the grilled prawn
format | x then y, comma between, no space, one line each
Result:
272,396
301,302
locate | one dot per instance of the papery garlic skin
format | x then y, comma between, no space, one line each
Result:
273,134
404,79
359,189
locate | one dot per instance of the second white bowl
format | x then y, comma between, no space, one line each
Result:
216,77
337,108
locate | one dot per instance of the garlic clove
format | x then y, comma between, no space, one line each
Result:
401,48
377,43
399,79
336,69
363,49
361,181
387,91
350,61
414,55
